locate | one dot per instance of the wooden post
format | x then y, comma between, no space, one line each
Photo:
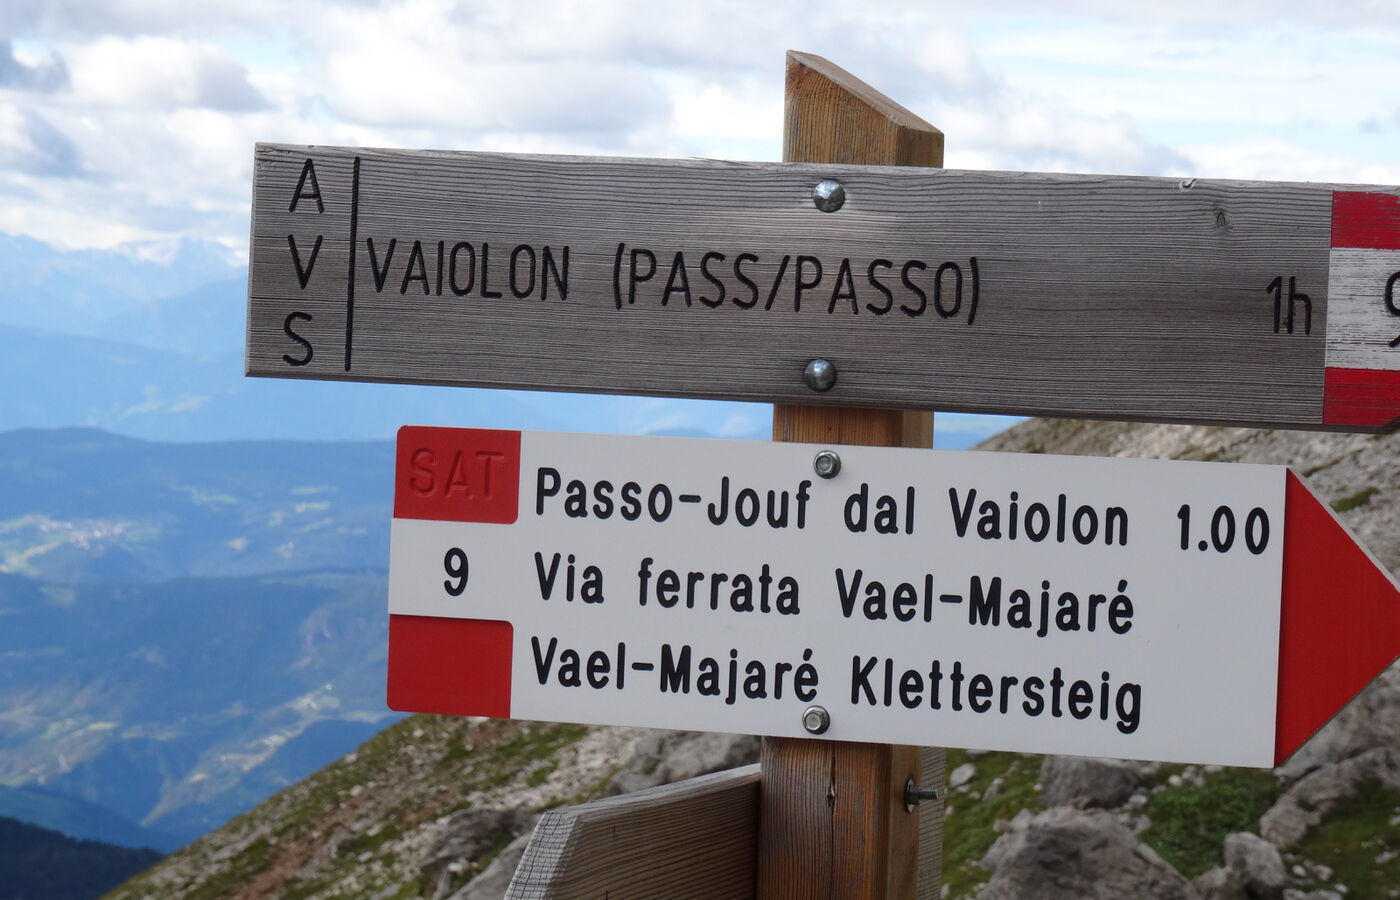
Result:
833,821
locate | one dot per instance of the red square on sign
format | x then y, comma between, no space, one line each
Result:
455,667
457,474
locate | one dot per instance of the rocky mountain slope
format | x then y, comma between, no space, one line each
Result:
438,807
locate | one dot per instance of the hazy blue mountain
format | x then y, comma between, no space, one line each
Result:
57,380
180,704
80,819
181,629
82,291
206,321
86,505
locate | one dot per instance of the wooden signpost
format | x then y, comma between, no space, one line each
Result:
849,602
1248,303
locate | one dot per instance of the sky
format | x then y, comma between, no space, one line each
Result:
127,126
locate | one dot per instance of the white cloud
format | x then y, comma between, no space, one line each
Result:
151,139
158,73
745,426
1278,159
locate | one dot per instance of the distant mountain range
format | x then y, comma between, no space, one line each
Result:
81,505
178,705
61,380
184,629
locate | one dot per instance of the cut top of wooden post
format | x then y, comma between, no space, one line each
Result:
831,116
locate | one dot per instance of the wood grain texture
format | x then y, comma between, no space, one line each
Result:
1364,285
834,821
933,763
831,116
1099,296
694,840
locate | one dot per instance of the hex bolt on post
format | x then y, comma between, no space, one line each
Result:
826,463
816,719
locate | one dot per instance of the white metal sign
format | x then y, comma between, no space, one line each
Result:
1052,604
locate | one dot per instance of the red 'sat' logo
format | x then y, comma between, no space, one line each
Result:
457,474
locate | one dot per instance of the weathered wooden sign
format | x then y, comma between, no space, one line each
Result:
1111,297
1183,611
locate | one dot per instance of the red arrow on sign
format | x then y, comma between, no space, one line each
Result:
1340,621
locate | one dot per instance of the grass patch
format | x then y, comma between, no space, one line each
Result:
1321,468
356,844
970,831
1360,841
250,861
584,794
1162,776
540,774
296,889
456,751
535,745
1189,823
1360,498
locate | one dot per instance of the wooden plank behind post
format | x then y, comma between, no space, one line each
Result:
692,840
833,817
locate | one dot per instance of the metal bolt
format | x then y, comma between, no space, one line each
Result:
828,196
820,375
816,719
914,795
826,463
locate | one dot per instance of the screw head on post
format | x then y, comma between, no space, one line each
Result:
826,463
820,375
828,196
816,719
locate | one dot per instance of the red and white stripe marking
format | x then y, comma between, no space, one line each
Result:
1361,386
441,664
